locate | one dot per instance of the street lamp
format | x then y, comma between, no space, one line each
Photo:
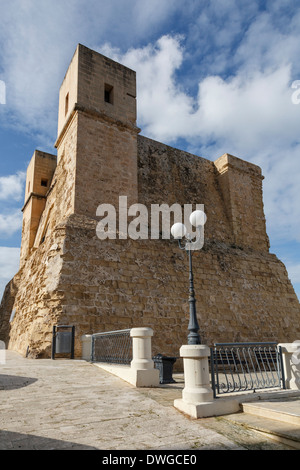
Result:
179,231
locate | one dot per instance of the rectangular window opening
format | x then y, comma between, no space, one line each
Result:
108,93
44,183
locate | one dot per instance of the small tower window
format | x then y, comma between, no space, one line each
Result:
108,93
44,183
66,104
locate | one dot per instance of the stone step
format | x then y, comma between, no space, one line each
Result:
277,419
284,410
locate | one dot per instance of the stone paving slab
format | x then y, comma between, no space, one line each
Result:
71,404
284,409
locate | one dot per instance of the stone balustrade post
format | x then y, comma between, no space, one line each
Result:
141,349
291,364
197,396
142,366
86,347
196,374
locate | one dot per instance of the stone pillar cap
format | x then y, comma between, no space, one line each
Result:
141,332
194,350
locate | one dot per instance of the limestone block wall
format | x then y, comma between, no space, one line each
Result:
230,189
68,94
32,294
31,219
68,276
168,175
76,279
106,86
101,95
243,294
241,186
106,164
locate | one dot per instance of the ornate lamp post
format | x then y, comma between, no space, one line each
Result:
178,230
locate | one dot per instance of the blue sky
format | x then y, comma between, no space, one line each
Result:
213,77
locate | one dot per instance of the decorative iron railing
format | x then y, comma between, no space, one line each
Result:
238,367
114,347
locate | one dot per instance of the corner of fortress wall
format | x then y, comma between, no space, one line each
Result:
68,276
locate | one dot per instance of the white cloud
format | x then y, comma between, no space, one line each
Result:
164,109
269,42
246,112
9,265
11,194
37,40
30,39
10,223
12,186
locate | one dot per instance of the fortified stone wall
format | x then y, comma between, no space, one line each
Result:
242,295
230,189
68,276
75,278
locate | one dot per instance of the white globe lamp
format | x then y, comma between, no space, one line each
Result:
178,231
198,218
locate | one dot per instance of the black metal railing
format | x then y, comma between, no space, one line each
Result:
114,347
238,367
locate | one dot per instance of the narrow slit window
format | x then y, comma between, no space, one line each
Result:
66,104
108,93
44,235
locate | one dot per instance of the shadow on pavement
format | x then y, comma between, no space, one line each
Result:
11,382
16,441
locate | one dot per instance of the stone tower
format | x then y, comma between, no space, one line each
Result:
97,126
68,276
39,176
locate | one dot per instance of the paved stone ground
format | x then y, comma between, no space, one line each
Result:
74,405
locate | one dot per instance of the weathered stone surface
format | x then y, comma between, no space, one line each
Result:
73,405
69,276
